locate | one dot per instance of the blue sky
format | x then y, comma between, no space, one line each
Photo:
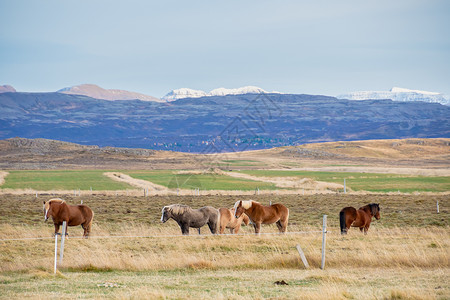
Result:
151,47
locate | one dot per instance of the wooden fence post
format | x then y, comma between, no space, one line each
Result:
63,235
302,256
324,240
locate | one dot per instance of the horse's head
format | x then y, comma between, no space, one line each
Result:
375,209
165,214
48,207
238,209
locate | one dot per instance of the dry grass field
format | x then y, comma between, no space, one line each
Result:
131,255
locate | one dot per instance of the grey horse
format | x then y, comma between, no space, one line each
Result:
187,217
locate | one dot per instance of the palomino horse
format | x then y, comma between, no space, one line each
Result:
227,220
350,217
260,214
74,215
187,217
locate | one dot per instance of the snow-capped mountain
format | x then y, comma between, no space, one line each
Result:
94,91
398,94
189,93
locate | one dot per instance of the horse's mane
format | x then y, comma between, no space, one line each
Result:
371,207
177,209
58,200
245,204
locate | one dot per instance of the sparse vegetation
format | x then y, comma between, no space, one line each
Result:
402,256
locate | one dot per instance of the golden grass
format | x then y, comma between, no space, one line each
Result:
404,256
158,249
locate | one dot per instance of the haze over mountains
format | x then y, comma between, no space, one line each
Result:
216,123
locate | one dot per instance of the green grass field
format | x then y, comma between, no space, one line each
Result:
373,182
87,179
173,180
62,180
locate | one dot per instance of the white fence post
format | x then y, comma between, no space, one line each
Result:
63,235
324,240
56,252
437,206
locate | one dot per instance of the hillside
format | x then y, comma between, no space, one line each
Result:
20,153
216,123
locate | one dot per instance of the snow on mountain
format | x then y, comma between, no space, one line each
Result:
189,93
7,89
398,94
94,91
183,93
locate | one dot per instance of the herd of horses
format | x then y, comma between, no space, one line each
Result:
218,220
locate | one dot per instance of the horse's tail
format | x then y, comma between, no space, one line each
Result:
342,222
89,223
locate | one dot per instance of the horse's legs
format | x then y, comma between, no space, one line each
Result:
213,227
366,228
87,229
257,227
280,227
236,229
56,228
184,228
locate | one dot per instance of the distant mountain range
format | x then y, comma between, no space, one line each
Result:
94,91
189,93
398,94
216,123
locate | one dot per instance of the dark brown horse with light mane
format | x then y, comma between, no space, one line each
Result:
350,217
260,214
187,217
74,215
227,220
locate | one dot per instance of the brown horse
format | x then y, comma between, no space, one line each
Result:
74,215
260,214
187,217
227,220
350,217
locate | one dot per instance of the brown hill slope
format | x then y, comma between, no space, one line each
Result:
20,153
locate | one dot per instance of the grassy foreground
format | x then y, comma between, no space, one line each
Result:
404,256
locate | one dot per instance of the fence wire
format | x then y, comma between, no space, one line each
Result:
168,236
